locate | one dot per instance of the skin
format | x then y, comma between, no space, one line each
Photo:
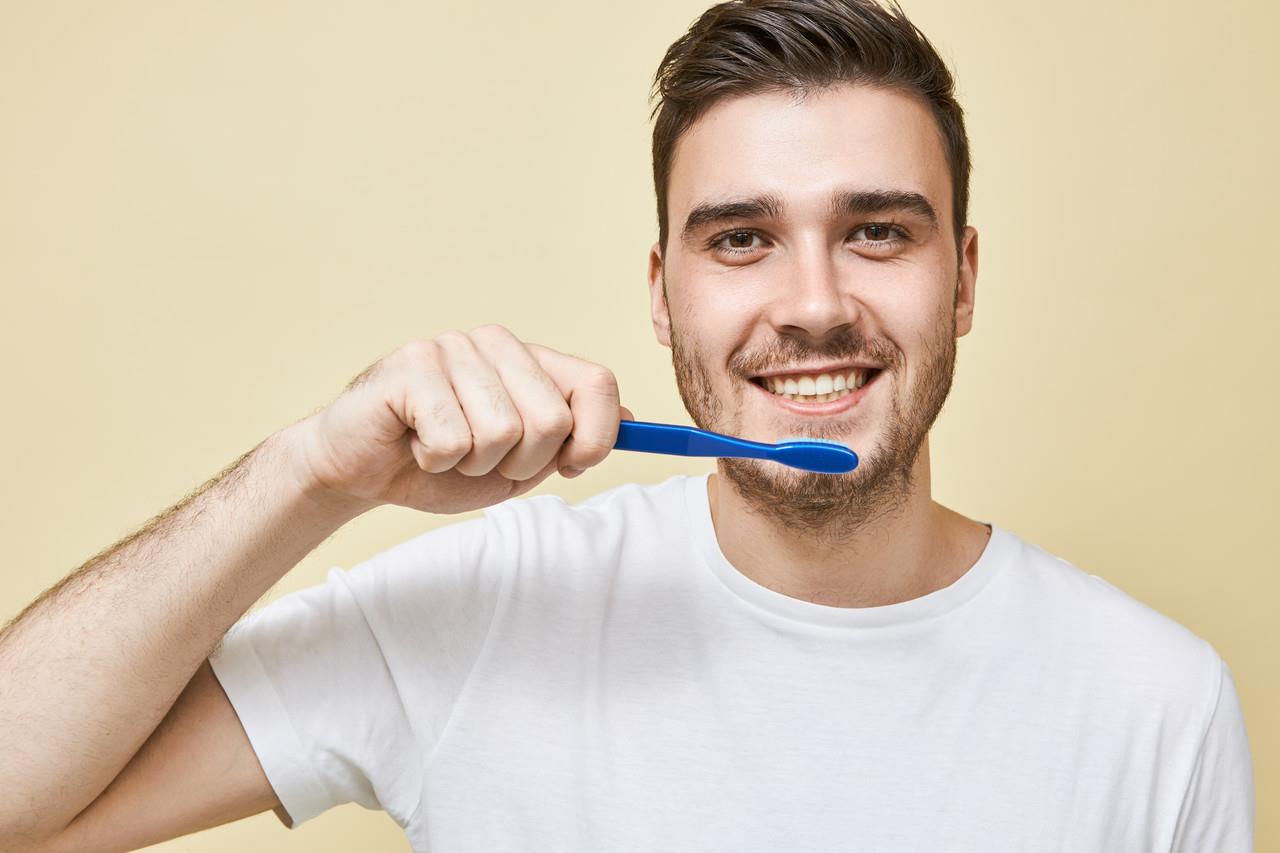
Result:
805,289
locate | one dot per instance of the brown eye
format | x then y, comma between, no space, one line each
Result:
734,244
880,235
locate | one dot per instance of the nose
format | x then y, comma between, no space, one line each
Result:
810,301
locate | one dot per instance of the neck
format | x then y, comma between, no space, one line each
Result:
917,548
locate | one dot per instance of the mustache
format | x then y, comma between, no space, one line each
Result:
848,346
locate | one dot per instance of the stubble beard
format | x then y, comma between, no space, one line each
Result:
829,508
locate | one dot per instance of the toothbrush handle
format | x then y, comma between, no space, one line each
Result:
684,441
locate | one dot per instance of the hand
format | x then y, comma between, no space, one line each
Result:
459,422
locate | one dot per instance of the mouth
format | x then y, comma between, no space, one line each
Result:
824,393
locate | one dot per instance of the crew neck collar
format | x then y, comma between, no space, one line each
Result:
999,549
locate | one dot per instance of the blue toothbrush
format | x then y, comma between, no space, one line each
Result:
809,455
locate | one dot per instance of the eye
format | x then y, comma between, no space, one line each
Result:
739,242
880,237
879,232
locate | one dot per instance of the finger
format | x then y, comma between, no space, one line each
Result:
427,405
492,416
544,413
519,487
592,394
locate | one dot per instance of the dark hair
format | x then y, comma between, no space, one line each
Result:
753,46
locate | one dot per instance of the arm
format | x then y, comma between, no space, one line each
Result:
91,668
199,746
1218,808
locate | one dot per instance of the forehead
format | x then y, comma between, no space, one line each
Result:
848,136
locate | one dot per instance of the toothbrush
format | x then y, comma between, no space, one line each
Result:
823,457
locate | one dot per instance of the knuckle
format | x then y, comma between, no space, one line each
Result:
420,351
502,432
557,423
602,379
447,444
491,330
451,338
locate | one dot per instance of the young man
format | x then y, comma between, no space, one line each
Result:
757,659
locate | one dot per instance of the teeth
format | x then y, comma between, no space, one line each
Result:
817,389
823,383
818,398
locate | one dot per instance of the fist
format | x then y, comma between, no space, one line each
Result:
459,422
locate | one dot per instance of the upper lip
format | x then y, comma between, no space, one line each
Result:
819,369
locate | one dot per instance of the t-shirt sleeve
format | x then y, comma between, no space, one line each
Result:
1217,812
344,688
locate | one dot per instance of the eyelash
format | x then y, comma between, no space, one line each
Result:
903,237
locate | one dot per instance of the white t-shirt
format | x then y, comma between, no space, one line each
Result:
598,677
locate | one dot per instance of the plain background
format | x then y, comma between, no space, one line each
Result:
213,215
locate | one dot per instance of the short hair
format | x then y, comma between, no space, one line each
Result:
745,47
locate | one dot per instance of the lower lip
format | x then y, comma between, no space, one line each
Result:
831,407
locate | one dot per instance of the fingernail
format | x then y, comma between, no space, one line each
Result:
570,472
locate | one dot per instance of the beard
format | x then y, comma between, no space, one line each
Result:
830,508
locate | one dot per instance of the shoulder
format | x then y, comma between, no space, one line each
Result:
1126,640
579,550
621,510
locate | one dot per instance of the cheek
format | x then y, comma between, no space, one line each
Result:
719,328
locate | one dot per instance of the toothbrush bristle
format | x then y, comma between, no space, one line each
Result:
810,438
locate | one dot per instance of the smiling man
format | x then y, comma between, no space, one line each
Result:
756,659
815,289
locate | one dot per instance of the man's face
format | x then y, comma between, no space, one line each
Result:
825,278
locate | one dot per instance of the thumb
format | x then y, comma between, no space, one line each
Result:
626,413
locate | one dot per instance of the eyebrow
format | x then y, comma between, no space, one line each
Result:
843,203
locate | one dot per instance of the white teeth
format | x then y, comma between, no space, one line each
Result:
818,398
820,388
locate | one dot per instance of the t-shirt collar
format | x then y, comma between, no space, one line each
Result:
999,549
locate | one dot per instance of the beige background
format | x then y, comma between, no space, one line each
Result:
212,215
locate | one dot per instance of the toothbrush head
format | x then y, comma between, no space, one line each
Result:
819,455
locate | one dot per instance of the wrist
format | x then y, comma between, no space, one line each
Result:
293,448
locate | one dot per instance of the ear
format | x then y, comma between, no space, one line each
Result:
968,281
658,309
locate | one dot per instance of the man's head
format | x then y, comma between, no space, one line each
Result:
811,169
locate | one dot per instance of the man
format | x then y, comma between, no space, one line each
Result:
757,659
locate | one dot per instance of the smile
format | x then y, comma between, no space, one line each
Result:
819,394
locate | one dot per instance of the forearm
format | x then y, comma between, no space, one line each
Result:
90,669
